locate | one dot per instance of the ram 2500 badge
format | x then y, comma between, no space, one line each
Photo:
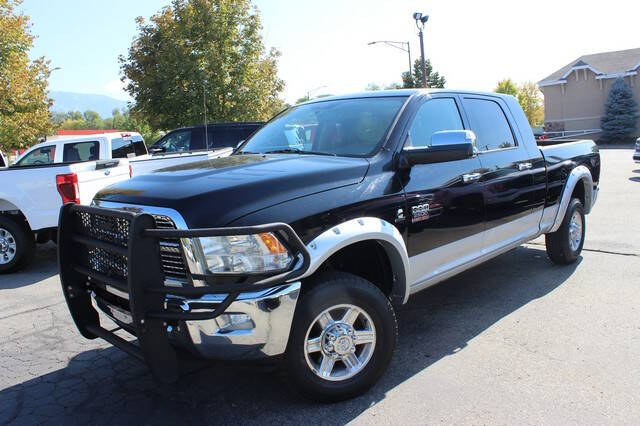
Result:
302,243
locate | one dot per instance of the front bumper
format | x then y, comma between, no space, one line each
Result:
110,261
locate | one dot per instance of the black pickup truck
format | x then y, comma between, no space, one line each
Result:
301,244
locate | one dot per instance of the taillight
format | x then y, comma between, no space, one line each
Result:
130,171
68,188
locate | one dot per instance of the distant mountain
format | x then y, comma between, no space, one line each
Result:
69,101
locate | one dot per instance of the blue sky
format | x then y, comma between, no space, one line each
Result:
324,43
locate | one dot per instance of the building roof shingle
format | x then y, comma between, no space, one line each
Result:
604,63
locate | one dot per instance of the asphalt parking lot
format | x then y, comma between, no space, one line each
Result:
516,340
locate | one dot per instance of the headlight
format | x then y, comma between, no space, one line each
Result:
237,254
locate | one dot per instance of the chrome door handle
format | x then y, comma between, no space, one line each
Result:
471,177
524,166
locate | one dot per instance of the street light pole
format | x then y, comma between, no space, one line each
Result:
309,92
420,21
396,45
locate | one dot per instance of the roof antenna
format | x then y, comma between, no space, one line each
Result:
204,105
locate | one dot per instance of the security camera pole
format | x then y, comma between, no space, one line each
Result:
420,21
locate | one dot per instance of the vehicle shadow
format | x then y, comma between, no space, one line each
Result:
106,386
634,179
44,265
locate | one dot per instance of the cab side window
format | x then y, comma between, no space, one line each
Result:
489,124
433,116
80,151
42,155
178,141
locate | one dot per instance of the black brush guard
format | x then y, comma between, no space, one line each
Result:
140,275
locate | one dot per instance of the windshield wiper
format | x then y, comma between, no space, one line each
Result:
297,151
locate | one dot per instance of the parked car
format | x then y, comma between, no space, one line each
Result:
201,137
303,243
32,192
636,153
4,162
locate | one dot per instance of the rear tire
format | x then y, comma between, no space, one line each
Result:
565,245
340,356
17,245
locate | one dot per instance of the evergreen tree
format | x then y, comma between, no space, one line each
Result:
434,79
620,113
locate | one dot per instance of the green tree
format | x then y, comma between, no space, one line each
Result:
24,104
123,120
620,113
530,99
197,52
372,87
434,79
506,86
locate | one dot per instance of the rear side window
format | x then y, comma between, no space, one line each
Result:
42,155
433,116
80,151
228,137
489,124
139,148
121,148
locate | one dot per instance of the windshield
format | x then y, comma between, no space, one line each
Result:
349,127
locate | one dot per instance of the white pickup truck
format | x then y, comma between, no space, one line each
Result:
80,166
129,145
32,192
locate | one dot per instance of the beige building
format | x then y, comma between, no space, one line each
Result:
574,96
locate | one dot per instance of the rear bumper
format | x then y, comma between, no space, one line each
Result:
110,261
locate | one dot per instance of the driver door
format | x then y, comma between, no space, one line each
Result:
445,207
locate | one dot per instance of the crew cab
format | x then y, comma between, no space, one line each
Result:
300,245
32,192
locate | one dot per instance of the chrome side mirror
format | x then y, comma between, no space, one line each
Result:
454,137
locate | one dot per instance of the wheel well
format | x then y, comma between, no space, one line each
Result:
17,217
578,191
366,259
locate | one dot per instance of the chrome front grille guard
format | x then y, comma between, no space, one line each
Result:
142,277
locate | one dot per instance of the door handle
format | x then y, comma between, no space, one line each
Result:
524,166
471,177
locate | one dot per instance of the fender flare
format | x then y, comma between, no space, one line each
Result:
580,174
353,231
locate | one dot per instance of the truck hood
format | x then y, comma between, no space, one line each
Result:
215,192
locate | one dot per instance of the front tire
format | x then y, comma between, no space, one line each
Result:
342,339
17,245
565,245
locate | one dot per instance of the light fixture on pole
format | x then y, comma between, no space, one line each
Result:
397,45
421,20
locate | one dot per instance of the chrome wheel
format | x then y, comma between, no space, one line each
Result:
575,231
7,246
340,342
